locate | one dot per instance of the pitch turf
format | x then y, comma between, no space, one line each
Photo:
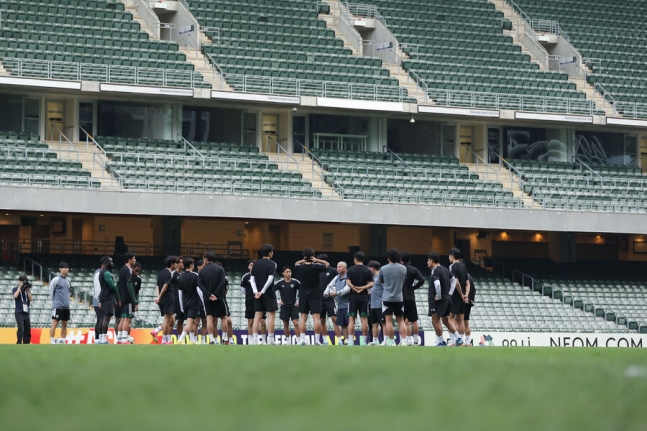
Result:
333,388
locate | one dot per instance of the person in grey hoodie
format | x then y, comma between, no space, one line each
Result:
59,293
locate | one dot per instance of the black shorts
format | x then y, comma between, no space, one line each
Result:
217,308
376,316
127,311
166,308
179,314
468,309
393,308
61,314
117,310
328,308
289,312
108,308
457,307
310,306
440,308
201,314
192,313
249,308
411,311
267,304
358,306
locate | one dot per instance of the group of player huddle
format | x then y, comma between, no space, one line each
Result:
192,295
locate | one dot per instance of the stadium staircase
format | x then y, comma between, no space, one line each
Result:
611,37
581,83
132,8
582,187
395,70
308,170
506,178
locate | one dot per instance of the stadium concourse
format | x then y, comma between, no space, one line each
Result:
513,131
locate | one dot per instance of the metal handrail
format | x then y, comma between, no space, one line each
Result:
483,162
214,68
515,171
194,149
495,263
34,264
166,25
89,138
607,97
523,279
128,75
308,87
586,166
281,149
149,16
313,159
62,136
420,83
348,27
391,153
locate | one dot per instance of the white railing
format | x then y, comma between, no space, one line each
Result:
365,11
130,75
631,109
166,26
606,96
544,104
215,69
306,87
420,83
69,149
345,24
215,39
479,161
189,148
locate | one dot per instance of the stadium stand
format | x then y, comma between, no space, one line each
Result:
27,161
147,164
88,40
614,292
415,178
611,41
266,47
467,53
574,186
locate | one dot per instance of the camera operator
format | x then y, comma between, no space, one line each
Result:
22,295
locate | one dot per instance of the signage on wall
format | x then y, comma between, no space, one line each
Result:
187,29
250,97
469,112
584,119
141,89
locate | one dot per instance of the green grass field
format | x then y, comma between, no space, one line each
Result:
333,388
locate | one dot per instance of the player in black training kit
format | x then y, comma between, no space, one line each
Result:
328,304
164,299
211,281
262,281
192,302
128,300
440,285
471,296
177,296
414,281
288,289
459,294
308,272
359,279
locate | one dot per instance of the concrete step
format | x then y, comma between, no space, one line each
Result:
86,155
503,176
198,60
305,168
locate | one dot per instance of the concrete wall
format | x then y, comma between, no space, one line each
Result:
289,209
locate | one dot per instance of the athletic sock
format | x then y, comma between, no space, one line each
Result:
192,337
462,336
456,336
468,339
270,338
302,338
231,340
439,339
182,337
362,339
453,337
254,339
351,340
416,338
158,329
